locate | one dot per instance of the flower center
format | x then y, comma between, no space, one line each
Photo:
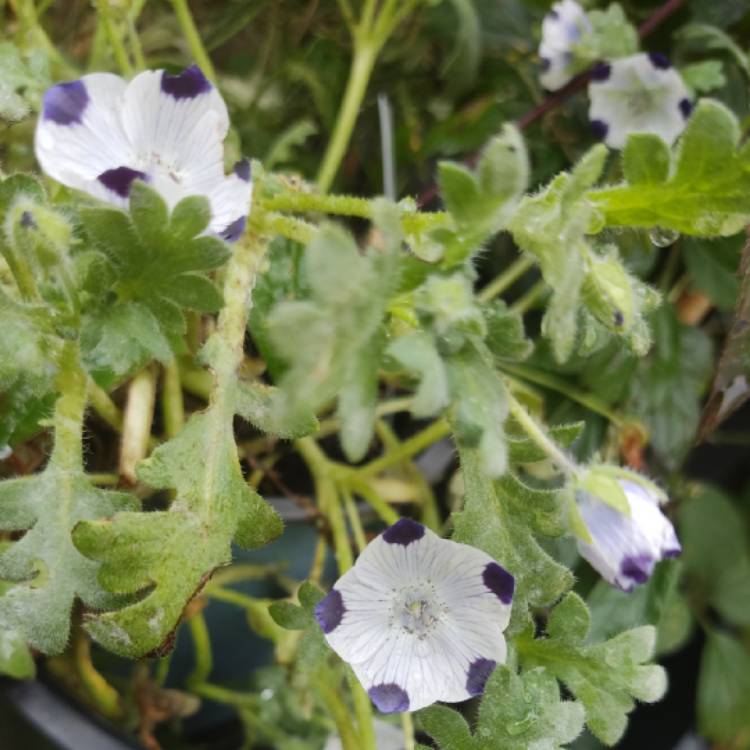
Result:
417,609
640,102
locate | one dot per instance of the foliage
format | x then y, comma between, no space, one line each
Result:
561,314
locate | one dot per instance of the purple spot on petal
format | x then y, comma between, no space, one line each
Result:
479,672
234,230
242,170
65,103
553,14
599,129
658,60
329,611
186,85
404,531
637,567
120,180
499,582
601,72
389,698
546,64
674,552
686,107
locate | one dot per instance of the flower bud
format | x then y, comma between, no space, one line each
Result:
624,548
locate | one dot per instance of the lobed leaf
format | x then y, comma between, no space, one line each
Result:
704,192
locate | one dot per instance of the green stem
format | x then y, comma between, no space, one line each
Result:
365,54
527,301
223,695
373,499
354,520
408,448
591,402
539,436
328,500
102,694
192,37
291,228
296,201
118,47
201,650
363,712
230,596
407,724
69,410
338,711
173,408
498,285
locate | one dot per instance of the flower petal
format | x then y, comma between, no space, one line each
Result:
562,28
79,135
642,93
230,204
625,549
177,125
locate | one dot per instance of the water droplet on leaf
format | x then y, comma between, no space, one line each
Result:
663,237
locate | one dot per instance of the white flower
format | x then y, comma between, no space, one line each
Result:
562,28
99,134
642,93
419,618
625,549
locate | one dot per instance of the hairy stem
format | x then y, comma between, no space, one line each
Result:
539,436
173,408
69,410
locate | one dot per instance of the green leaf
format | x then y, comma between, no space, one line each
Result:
606,677
506,338
479,407
611,36
552,226
331,341
704,76
481,203
156,268
121,339
255,402
290,616
667,388
645,159
517,712
524,450
491,522
27,364
47,571
167,556
716,556
418,353
724,689
706,192
658,602
712,265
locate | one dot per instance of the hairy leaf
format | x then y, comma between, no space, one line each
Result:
606,677
517,712
167,556
706,190
47,571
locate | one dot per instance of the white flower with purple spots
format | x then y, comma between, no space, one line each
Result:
419,618
562,29
99,134
625,549
642,93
